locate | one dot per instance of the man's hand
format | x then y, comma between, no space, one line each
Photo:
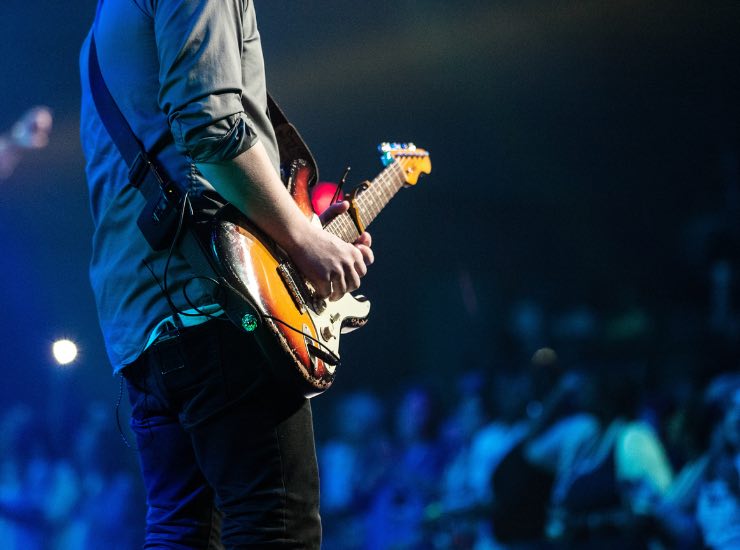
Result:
363,242
332,266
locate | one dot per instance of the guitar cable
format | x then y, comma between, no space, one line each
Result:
324,347
165,290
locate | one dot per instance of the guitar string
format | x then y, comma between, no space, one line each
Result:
385,186
343,227
382,185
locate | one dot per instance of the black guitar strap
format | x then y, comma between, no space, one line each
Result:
290,143
158,221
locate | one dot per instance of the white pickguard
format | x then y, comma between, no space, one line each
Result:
329,322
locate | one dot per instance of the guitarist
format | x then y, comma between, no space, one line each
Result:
227,454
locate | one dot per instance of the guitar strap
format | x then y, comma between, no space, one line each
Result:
291,145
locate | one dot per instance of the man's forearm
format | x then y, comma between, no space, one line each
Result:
250,182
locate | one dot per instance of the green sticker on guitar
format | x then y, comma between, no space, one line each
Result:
249,322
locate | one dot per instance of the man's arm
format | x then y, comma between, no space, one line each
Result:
199,45
250,182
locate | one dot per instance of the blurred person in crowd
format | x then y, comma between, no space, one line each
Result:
718,502
352,463
468,415
30,132
606,490
551,430
512,392
461,520
410,482
457,492
689,441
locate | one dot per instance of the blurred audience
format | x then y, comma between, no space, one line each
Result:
68,499
411,479
576,449
598,450
353,462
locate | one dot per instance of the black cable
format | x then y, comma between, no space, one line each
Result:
190,302
326,348
165,290
154,276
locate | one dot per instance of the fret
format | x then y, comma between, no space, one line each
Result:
372,200
343,227
387,189
381,190
350,233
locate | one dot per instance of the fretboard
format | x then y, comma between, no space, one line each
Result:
369,202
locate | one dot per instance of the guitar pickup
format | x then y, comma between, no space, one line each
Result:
303,294
286,273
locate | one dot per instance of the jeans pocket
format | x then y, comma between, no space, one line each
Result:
215,373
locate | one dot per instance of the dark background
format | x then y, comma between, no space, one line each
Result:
585,156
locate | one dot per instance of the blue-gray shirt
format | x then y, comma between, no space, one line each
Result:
192,67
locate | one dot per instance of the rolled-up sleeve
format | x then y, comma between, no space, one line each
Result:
199,43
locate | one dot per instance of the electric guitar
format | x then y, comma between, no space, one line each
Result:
267,296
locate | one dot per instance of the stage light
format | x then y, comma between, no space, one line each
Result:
65,351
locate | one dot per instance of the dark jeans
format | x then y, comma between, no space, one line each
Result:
222,445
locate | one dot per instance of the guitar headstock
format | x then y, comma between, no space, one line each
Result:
413,160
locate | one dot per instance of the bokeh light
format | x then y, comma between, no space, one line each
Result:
65,351
322,194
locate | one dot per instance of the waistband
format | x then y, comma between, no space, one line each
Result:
167,328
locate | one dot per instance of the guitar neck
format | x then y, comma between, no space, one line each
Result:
369,203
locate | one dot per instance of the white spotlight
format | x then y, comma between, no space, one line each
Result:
65,351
